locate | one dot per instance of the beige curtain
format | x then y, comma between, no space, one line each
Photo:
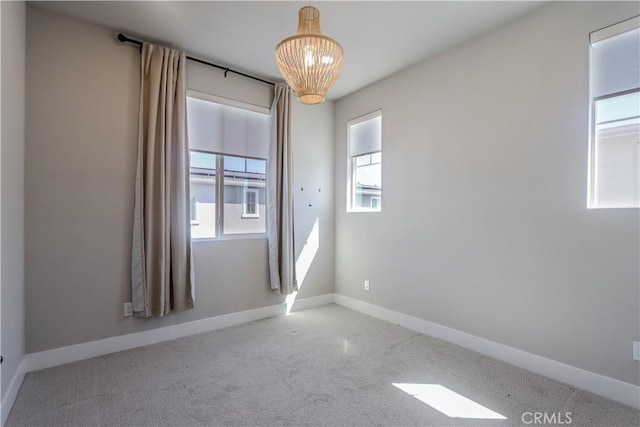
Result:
161,268
280,195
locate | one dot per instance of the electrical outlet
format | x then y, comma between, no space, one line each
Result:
128,309
366,285
636,350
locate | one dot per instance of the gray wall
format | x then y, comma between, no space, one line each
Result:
484,225
12,188
312,128
82,103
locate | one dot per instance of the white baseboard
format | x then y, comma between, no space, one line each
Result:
610,388
12,392
86,350
604,386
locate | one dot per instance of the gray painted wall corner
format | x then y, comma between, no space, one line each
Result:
12,285
80,162
484,225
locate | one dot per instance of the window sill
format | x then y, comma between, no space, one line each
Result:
364,210
250,216
612,207
252,236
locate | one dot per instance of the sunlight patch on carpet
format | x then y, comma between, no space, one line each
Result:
449,402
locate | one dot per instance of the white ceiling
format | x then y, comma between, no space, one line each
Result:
379,37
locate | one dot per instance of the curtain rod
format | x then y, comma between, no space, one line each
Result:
125,39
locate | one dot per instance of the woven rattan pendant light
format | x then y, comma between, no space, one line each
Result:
309,61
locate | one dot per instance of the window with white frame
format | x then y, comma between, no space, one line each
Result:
229,143
250,203
364,141
614,147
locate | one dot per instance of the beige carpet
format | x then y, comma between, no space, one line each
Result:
325,366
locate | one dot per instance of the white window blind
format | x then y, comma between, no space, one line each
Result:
365,134
216,126
615,66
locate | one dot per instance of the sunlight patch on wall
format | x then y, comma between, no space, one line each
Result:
304,261
448,402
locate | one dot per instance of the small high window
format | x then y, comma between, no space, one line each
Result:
614,148
364,190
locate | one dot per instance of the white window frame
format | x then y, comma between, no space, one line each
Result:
353,188
219,184
245,203
351,166
596,36
219,192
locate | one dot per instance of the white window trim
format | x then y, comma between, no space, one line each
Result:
351,208
592,189
365,117
615,29
595,37
228,101
219,177
245,204
246,236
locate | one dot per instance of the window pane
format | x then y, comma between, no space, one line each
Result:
256,166
364,141
367,183
203,194
363,160
244,195
618,107
203,160
375,202
369,175
617,151
234,164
